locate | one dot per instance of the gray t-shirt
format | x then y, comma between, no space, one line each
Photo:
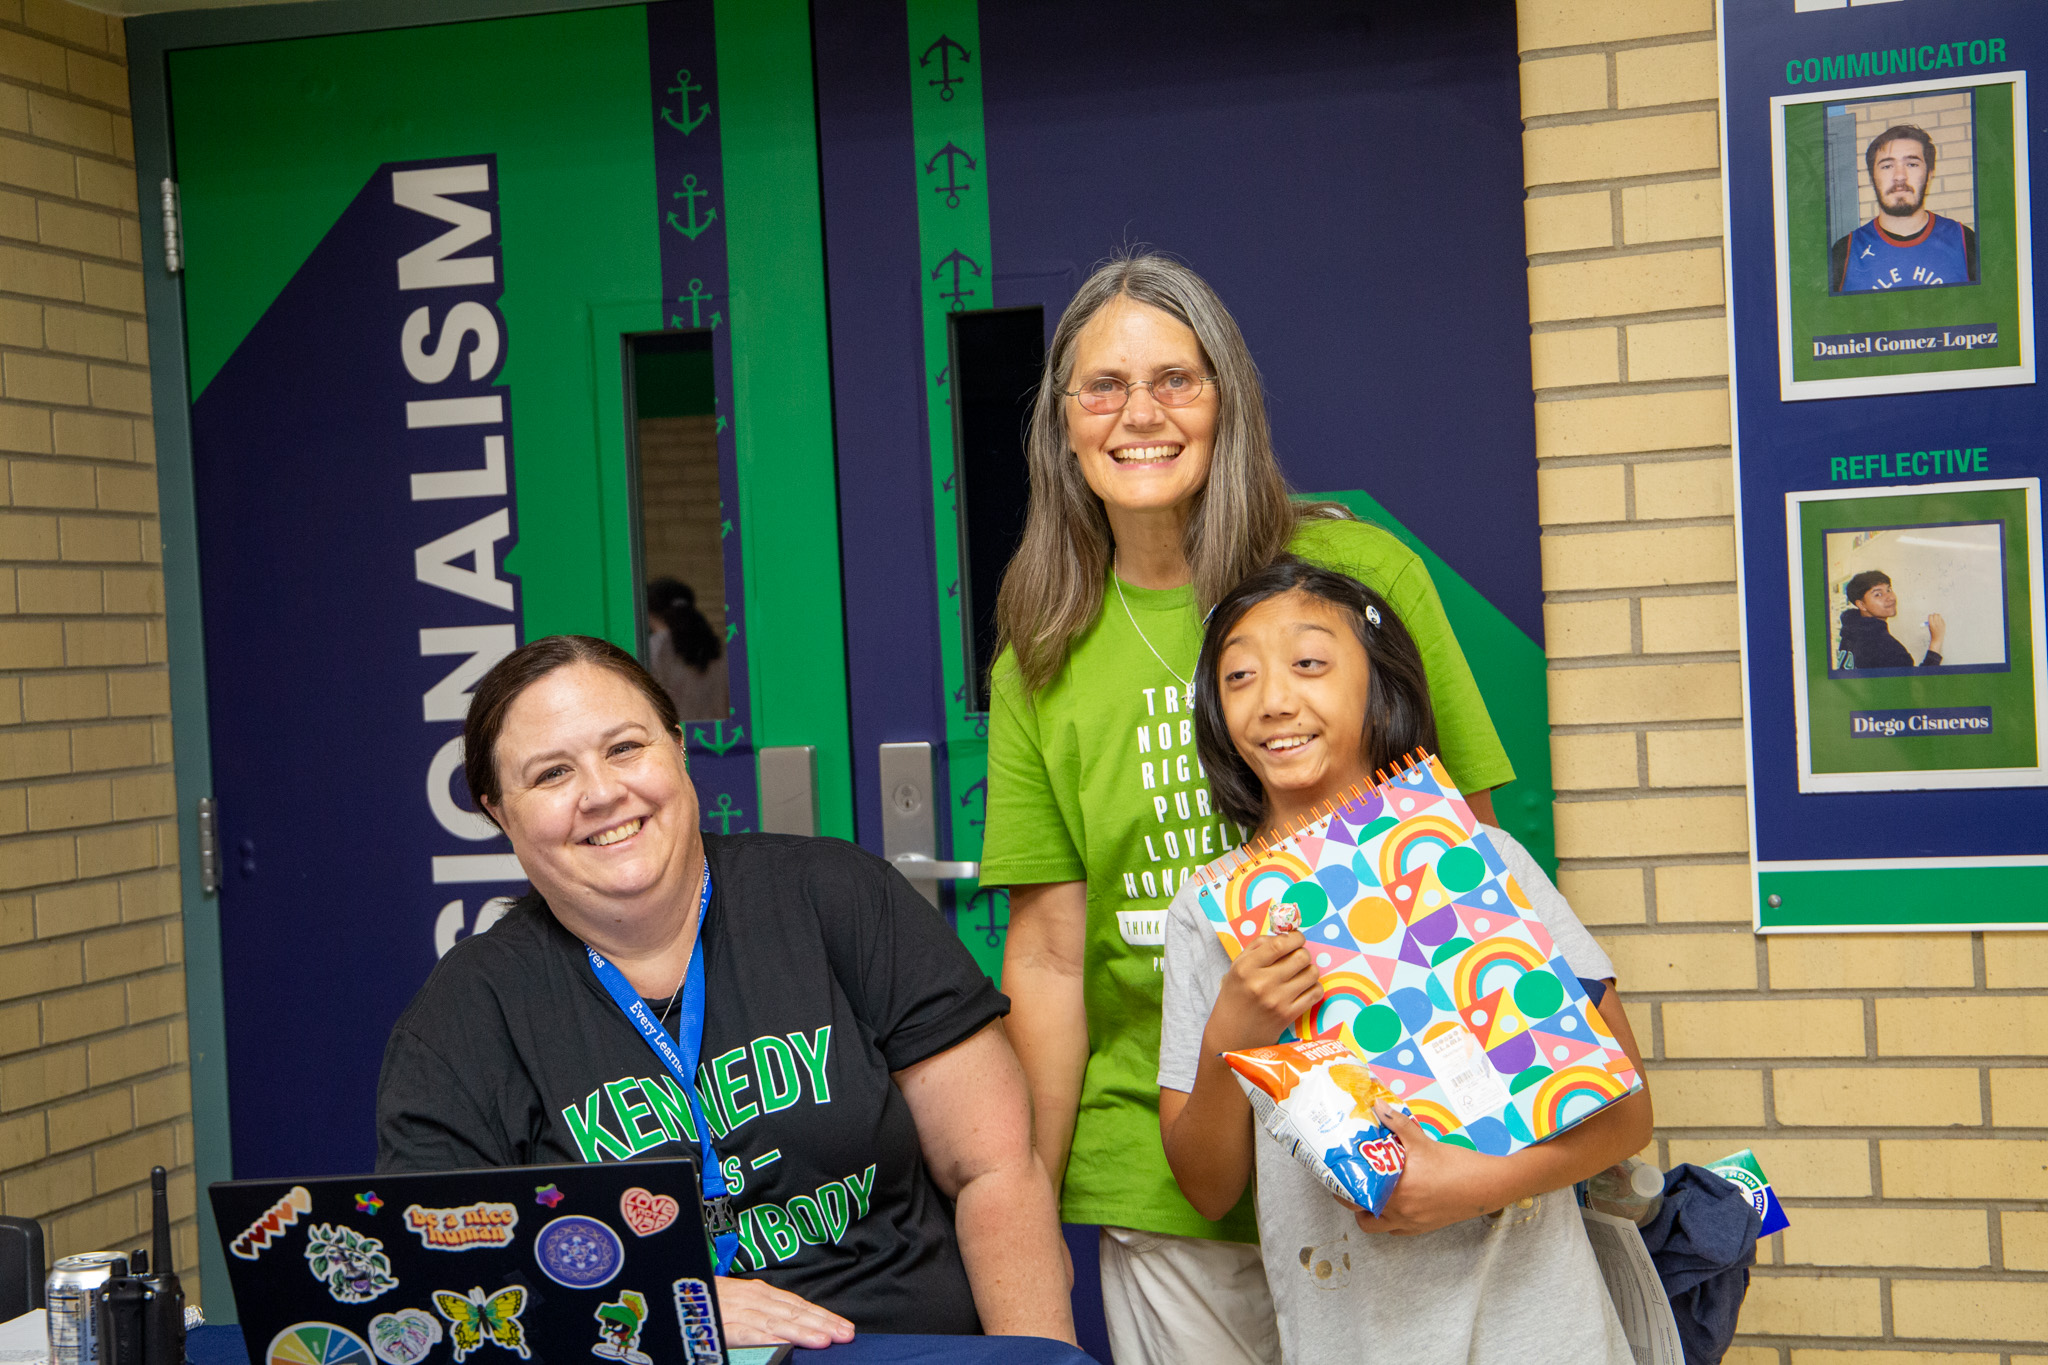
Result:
1518,1286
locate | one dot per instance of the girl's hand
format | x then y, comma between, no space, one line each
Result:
1441,1185
1270,985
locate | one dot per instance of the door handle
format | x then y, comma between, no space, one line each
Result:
910,838
788,778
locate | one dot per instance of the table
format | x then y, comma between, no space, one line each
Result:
223,1346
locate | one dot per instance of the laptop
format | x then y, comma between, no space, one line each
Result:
550,1265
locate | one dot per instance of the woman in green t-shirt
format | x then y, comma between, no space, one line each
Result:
1153,491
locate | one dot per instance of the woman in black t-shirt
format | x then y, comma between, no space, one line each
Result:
867,1113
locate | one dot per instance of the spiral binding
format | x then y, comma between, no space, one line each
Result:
1381,778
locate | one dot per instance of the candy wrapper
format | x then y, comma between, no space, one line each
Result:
1316,1098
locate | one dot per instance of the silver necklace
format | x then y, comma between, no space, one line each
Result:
1141,630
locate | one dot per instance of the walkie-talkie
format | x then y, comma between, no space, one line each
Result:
142,1316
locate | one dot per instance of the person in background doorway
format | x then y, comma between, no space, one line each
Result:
1866,638
682,646
1904,246
1154,490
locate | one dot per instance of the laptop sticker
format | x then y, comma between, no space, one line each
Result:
579,1252
547,1194
317,1343
695,1315
647,1212
476,1318
267,1229
354,1267
618,1329
481,1224
368,1202
404,1337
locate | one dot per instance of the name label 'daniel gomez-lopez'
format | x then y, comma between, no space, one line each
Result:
1942,720
1982,336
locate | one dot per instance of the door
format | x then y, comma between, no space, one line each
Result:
422,266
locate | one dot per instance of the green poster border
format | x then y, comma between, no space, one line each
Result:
1954,897
948,139
2003,295
1830,700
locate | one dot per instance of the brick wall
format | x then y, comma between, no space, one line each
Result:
93,1079
1913,1160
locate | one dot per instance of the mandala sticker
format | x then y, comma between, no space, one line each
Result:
579,1252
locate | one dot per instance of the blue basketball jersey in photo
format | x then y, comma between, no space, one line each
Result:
1938,254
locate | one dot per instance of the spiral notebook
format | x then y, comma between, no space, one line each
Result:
1434,967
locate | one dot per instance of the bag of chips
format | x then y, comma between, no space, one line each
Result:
1316,1099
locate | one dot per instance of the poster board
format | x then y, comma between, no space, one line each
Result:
1889,453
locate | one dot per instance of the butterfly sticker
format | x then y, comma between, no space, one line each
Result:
476,1317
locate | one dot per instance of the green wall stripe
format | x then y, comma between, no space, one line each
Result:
782,390
1902,898
956,271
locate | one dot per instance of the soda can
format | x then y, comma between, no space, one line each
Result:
72,1295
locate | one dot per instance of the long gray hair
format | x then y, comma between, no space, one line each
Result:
1243,517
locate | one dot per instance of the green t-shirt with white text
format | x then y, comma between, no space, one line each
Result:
1095,778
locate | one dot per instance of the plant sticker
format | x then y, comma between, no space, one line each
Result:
579,1252
647,1212
354,1266
404,1337
475,1317
697,1315
618,1329
267,1229
464,1228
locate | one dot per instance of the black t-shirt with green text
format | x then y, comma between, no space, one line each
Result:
824,972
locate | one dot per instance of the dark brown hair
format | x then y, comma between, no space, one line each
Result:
521,669
1898,132
1398,717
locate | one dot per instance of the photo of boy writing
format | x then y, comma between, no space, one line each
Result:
1866,633
1306,683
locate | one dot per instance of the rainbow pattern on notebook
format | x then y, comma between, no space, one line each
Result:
1433,966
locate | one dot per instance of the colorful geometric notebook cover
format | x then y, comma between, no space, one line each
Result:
1432,964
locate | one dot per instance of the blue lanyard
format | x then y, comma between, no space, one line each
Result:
718,1214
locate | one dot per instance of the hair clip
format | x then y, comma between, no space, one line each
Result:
1372,613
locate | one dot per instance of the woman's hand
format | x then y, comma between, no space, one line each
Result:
1441,1184
1270,985
756,1313
1937,630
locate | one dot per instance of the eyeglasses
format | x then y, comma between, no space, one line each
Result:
1173,389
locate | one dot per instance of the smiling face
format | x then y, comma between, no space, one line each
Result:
596,800
1293,680
1899,174
1148,458
1880,602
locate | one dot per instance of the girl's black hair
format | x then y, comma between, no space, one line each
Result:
1398,718
674,604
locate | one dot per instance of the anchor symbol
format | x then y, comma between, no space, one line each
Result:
980,788
696,298
943,380
725,528
690,194
945,47
957,260
718,742
952,188
725,812
993,930
685,87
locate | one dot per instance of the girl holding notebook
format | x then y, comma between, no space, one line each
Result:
1307,683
